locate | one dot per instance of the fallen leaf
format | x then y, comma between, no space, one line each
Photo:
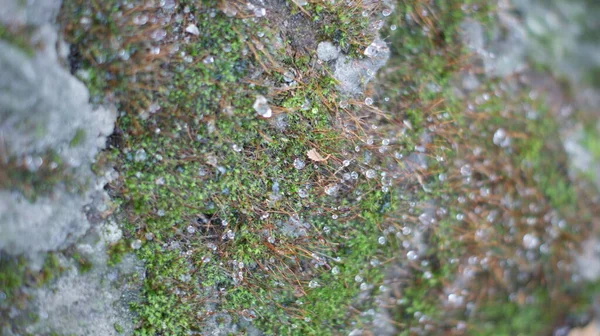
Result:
315,156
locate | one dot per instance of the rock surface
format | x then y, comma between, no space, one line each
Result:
44,109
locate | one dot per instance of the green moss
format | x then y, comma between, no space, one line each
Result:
77,138
14,274
83,263
11,274
206,184
19,38
116,252
591,141
510,318
16,175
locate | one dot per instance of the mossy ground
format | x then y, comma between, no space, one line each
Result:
232,231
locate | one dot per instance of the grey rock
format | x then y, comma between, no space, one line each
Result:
30,12
326,51
43,107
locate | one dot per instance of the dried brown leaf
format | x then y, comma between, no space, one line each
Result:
315,156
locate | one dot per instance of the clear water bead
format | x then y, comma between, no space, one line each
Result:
140,155
466,170
192,29
501,138
262,107
158,35
302,193
208,60
260,12
412,255
332,189
299,164
530,241
136,244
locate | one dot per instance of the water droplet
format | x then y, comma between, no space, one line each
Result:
140,155
158,34
299,164
262,107
455,300
136,244
192,29
208,59
530,241
369,101
313,284
302,193
229,235
466,170
140,20
412,255
260,12
501,138
332,189
370,173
